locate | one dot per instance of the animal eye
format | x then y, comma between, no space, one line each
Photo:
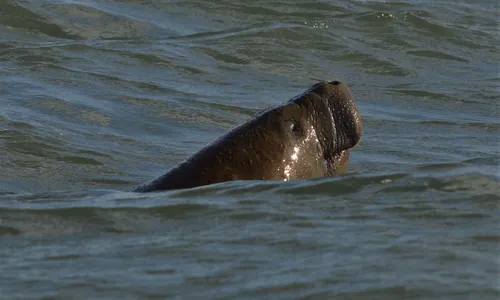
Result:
296,127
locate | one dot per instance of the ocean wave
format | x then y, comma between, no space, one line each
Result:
102,210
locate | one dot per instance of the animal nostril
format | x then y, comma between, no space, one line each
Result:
335,82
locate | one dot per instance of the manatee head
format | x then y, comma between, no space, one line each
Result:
320,126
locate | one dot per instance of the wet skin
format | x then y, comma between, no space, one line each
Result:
307,137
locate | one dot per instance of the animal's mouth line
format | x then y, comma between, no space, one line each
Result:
334,156
338,155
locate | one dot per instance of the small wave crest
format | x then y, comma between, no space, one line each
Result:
356,196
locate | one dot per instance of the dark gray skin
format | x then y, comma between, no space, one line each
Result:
307,137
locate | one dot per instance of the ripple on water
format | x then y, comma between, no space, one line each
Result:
108,94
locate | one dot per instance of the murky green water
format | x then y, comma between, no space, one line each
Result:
98,96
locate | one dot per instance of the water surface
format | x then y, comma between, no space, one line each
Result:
98,96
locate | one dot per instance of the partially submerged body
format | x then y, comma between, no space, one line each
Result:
306,137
